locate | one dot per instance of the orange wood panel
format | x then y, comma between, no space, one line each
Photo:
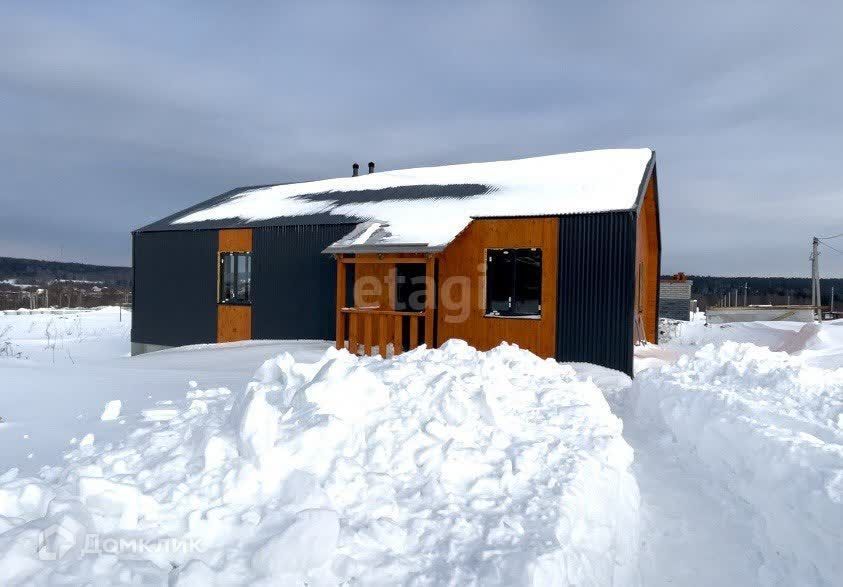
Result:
234,323
647,263
398,334
367,333
382,330
340,303
352,333
235,240
462,282
430,302
414,332
374,284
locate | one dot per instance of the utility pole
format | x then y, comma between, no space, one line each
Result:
832,300
816,297
745,288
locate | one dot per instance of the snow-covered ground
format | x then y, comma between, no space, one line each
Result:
291,462
447,465
754,410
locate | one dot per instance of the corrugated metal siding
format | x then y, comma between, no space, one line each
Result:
293,283
174,297
596,293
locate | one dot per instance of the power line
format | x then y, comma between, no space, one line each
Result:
823,238
830,247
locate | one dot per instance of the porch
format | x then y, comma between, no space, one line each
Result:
385,327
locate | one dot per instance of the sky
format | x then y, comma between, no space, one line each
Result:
113,115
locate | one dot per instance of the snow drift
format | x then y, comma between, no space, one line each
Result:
768,425
439,466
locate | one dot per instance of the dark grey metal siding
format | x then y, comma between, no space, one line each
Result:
174,298
596,289
293,283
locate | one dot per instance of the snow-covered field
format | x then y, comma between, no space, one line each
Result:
293,463
58,371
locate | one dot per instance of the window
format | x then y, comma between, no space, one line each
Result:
513,282
235,278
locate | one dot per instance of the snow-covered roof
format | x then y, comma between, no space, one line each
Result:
426,208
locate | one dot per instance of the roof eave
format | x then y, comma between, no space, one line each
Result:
645,180
391,248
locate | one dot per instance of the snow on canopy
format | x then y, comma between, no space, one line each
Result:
426,208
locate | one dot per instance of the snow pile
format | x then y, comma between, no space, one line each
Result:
589,181
700,333
439,466
815,341
769,427
111,410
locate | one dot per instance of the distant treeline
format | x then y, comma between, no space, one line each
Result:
709,290
35,272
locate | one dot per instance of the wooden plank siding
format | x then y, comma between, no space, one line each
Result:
236,240
460,271
647,263
234,322
461,276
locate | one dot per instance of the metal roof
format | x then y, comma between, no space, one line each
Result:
408,206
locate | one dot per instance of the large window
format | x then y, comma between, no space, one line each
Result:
513,282
235,278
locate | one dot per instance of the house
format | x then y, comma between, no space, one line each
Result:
675,297
558,254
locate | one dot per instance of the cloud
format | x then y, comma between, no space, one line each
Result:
119,115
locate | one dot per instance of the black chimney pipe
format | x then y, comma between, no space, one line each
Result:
371,166
355,170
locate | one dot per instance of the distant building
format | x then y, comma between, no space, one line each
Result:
722,315
675,297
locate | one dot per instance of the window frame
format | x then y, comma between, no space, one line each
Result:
221,278
511,313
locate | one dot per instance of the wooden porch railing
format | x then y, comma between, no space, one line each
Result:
390,326
361,321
